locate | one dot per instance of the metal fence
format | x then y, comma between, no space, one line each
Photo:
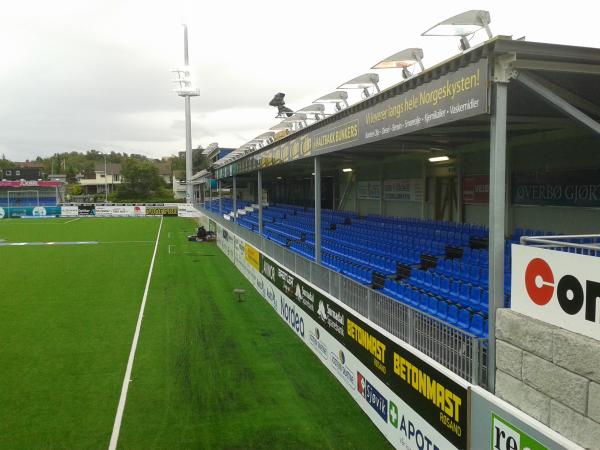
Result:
461,352
587,244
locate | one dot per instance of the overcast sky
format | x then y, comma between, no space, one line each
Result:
77,75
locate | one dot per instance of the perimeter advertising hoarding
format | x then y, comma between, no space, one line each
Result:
29,211
120,211
498,425
413,403
557,287
69,211
454,96
162,210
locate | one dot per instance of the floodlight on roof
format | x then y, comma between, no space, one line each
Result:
363,82
183,80
462,25
316,108
210,148
336,97
281,126
296,118
402,60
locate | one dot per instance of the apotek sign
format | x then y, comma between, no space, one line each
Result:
557,287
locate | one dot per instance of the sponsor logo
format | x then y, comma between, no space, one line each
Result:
260,285
338,362
334,319
2,213
508,437
291,316
369,343
314,337
39,211
305,296
268,271
377,401
569,291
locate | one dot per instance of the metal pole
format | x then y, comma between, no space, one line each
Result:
188,128
381,205
459,190
105,181
210,194
317,210
220,203
234,193
497,211
260,205
424,176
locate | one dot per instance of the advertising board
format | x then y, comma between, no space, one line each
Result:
497,425
476,189
557,287
414,402
120,211
457,95
403,189
561,188
69,211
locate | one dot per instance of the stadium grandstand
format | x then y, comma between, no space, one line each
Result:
407,207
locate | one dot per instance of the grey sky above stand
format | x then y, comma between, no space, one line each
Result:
83,75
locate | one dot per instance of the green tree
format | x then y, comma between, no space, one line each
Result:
140,179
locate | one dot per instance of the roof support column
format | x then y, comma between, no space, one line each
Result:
220,194
424,187
210,205
234,193
459,190
497,211
260,204
381,204
317,210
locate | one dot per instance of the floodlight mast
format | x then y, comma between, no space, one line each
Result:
186,91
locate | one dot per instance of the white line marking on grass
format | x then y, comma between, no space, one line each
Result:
114,438
73,220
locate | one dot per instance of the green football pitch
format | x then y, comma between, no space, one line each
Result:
209,372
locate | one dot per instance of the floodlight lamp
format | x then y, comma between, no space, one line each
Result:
363,82
281,126
402,60
438,158
347,169
318,110
462,25
183,80
336,97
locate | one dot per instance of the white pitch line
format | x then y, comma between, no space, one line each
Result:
114,438
69,221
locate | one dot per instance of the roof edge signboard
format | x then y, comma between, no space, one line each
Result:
455,96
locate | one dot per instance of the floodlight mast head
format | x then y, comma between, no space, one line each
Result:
402,60
336,97
183,79
462,25
363,82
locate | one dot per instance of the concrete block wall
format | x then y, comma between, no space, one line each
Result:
551,374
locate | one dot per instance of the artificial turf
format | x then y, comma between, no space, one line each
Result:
209,372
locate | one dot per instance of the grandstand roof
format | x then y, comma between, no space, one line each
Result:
572,71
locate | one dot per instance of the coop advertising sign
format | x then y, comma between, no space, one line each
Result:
434,405
497,425
557,287
454,96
